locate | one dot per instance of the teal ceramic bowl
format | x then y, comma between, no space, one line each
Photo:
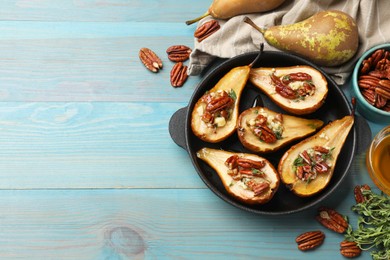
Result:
364,108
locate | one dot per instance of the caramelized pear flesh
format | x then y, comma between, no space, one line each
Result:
214,116
262,130
214,125
307,167
298,89
247,177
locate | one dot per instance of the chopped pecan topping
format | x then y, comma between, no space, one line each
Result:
268,131
294,85
249,172
311,162
332,220
218,104
310,240
206,29
258,187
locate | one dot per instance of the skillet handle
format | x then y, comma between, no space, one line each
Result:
177,127
364,135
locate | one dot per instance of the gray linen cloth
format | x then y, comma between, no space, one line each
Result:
236,37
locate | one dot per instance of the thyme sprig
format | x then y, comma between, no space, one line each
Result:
373,227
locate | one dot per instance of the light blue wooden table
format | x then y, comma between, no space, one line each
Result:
87,167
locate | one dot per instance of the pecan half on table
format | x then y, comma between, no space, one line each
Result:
310,240
206,29
150,59
332,220
349,249
178,75
178,53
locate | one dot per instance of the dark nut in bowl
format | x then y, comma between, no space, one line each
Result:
371,84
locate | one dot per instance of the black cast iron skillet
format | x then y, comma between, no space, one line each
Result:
284,202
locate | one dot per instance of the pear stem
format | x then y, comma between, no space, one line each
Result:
250,22
198,18
258,55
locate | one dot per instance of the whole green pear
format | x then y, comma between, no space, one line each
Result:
328,38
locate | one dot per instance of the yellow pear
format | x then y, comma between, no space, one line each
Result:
225,9
328,38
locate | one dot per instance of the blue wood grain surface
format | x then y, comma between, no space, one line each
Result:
88,169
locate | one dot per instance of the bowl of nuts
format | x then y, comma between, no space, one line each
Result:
371,84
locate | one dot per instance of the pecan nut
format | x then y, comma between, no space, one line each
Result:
332,220
369,95
358,193
383,93
349,249
385,84
219,103
310,240
178,75
206,29
178,53
375,76
150,59
251,164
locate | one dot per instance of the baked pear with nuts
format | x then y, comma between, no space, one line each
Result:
307,167
262,130
299,89
247,177
214,116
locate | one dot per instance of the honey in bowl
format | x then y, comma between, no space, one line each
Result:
378,160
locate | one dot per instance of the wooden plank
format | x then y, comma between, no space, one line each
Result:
88,62
124,224
96,10
91,145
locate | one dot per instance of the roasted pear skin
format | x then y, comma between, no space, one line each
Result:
266,177
225,9
332,138
285,129
214,116
262,78
328,38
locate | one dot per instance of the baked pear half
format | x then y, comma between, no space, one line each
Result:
262,130
249,178
299,90
214,116
307,167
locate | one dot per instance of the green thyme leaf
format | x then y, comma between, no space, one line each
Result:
373,227
278,134
299,161
328,155
256,171
232,94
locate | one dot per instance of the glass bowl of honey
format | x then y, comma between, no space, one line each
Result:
378,160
